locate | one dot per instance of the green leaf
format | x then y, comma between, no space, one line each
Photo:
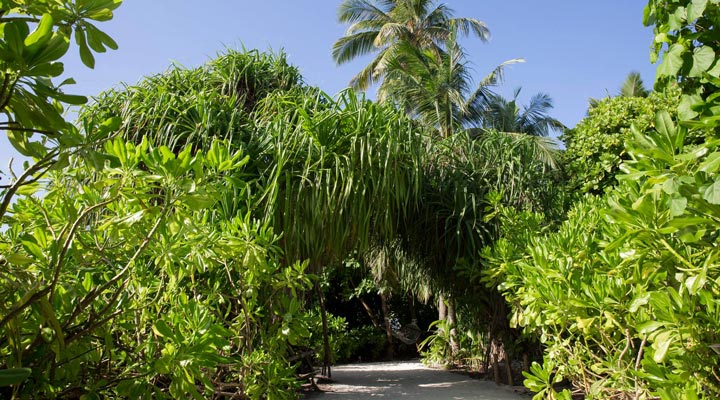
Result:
33,249
703,57
712,193
677,19
18,259
677,205
198,202
85,54
48,313
685,108
94,41
696,9
42,33
88,282
665,126
711,163
661,344
72,99
47,69
13,376
649,327
672,61
102,37
162,329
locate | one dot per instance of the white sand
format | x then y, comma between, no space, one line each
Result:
408,379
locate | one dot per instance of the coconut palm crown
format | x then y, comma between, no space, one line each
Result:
505,115
388,26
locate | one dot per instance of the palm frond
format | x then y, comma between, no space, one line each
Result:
347,48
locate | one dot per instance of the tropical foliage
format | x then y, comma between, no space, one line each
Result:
498,113
632,86
390,27
623,294
595,146
183,237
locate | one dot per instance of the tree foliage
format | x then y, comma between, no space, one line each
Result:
390,27
498,113
624,294
595,146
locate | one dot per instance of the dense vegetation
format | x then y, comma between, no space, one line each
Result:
202,232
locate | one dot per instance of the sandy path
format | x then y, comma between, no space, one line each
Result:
409,379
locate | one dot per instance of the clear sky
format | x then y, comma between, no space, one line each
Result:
574,49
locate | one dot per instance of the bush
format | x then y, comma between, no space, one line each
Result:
625,294
595,147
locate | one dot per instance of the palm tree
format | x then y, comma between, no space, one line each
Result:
632,86
389,27
436,87
505,115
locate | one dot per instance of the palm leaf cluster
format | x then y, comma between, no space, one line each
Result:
425,71
388,27
507,116
332,174
199,105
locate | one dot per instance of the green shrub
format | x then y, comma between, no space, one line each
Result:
625,294
595,147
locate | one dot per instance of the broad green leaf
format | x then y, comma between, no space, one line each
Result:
677,19
162,329
712,193
661,344
696,9
71,99
13,376
47,69
33,249
15,34
48,313
711,163
42,33
88,282
677,205
18,259
649,327
85,54
100,36
672,61
52,51
703,57
198,202
665,126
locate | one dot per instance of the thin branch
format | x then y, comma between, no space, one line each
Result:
68,240
9,127
44,163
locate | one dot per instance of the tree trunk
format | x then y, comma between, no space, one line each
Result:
495,362
413,310
370,313
388,326
452,322
326,334
526,362
508,366
442,308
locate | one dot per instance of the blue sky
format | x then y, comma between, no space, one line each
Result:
573,49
